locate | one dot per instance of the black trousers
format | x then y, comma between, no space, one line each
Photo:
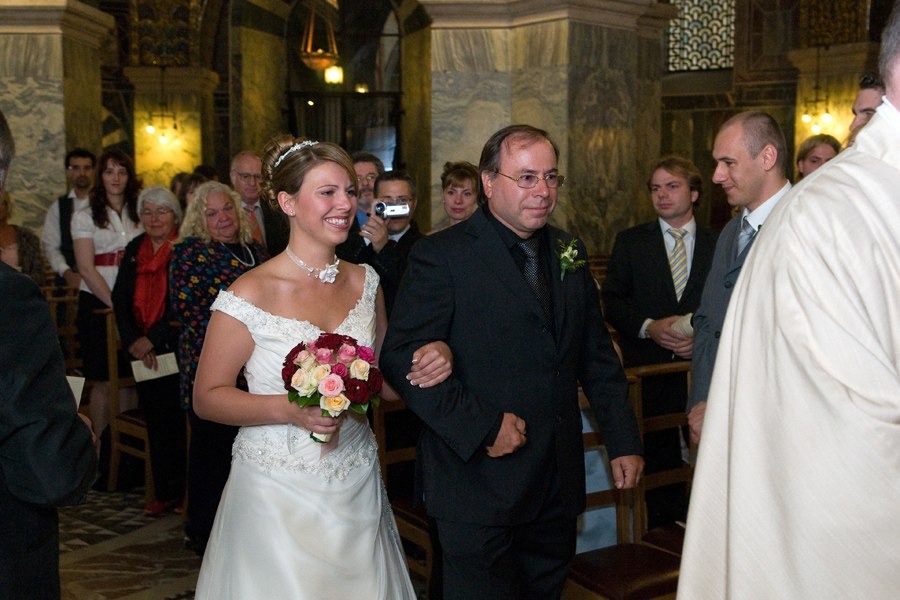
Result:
209,463
167,430
529,561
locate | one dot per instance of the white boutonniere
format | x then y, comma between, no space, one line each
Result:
567,258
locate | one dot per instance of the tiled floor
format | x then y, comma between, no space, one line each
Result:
110,551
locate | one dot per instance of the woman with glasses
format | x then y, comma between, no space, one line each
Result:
144,317
100,232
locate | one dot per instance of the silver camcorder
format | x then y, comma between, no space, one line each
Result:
386,211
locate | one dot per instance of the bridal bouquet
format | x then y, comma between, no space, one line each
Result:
334,372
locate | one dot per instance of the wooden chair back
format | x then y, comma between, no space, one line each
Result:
129,423
63,302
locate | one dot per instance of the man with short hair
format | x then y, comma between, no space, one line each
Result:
502,458
389,240
751,158
47,456
871,91
270,227
798,478
655,277
56,237
368,167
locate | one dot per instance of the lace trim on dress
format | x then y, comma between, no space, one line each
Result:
269,452
259,320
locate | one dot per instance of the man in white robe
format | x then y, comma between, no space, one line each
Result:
797,491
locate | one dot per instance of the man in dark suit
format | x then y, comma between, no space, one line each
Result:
501,458
270,226
47,456
655,277
751,161
387,242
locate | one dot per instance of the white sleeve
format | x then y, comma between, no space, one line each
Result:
83,224
51,240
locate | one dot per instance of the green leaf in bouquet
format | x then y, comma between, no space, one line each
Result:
359,408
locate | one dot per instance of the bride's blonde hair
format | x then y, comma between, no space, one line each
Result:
286,161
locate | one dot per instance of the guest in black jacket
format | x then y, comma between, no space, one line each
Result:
47,456
145,316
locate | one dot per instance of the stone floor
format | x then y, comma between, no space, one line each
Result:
110,550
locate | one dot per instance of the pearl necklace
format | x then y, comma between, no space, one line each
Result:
252,262
326,275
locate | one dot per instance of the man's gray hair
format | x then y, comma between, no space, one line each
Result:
890,47
160,196
7,150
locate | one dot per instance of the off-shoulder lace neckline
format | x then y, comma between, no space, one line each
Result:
360,305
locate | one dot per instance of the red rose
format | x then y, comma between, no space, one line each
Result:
331,341
356,391
376,379
340,369
289,368
293,353
346,339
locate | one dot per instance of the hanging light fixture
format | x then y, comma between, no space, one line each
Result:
318,59
812,116
159,118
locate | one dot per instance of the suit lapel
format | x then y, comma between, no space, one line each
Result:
559,284
491,250
733,230
658,259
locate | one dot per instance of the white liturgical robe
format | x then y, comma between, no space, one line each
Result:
797,489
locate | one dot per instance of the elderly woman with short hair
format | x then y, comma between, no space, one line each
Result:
144,317
216,247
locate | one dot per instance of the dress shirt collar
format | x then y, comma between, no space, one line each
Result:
396,236
690,226
507,235
890,114
759,216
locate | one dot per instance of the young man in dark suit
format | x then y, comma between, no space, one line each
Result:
655,277
501,456
47,456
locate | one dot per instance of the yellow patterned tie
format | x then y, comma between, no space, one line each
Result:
678,261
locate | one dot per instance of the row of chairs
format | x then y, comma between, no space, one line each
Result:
643,565
63,302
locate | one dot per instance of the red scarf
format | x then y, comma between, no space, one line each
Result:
150,286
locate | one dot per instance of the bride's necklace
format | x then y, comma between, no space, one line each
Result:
325,275
252,262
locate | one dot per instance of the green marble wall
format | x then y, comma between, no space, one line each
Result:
595,89
31,98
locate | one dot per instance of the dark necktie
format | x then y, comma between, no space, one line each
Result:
535,276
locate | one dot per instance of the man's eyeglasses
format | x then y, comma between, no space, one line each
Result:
247,177
159,212
553,180
368,177
79,168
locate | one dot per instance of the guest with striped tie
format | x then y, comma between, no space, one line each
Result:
268,225
656,276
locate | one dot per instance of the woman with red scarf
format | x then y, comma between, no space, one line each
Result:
144,316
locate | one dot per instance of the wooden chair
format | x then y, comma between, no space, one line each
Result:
626,571
64,299
412,521
130,423
667,537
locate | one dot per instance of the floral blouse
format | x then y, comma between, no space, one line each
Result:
198,271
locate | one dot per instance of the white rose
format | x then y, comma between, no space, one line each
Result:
335,405
320,372
304,383
359,369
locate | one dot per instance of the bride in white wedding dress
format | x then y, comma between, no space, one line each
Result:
299,519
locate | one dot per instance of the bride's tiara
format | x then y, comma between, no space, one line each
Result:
294,148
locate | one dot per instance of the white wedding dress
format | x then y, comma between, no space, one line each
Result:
301,520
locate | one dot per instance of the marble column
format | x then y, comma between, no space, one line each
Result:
186,93
50,92
258,72
589,75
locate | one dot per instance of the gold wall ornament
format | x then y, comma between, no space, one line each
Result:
827,22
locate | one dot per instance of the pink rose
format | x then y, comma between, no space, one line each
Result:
331,385
311,346
346,353
324,356
366,354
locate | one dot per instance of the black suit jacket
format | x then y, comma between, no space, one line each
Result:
47,458
463,286
639,286
276,226
390,263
